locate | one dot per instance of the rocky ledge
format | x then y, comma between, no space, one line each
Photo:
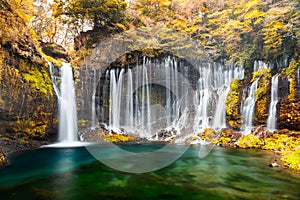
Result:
284,143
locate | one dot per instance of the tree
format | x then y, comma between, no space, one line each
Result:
280,29
24,8
101,13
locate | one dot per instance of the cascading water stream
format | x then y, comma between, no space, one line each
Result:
93,119
271,122
67,104
212,89
202,99
259,64
134,107
249,108
220,112
133,104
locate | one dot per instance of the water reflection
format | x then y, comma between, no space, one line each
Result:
222,174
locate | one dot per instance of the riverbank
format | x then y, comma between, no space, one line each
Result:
11,144
284,144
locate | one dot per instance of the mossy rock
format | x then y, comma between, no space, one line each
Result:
116,137
292,160
27,97
262,94
286,143
289,115
3,160
228,138
208,134
249,141
233,99
55,51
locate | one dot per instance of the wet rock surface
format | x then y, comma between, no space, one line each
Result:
3,161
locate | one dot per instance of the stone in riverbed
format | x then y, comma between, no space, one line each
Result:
274,164
3,161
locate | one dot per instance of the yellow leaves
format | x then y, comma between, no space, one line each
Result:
254,16
249,141
165,2
115,137
251,4
278,142
276,26
232,99
24,8
261,72
292,159
218,18
233,24
292,90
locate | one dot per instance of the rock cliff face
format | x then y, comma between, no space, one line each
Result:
289,104
288,107
27,103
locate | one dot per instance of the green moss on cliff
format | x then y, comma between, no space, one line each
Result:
39,81
292,89
262,94
26,105
289,109
293,66
232,104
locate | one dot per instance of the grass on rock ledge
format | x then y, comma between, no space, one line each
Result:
285,143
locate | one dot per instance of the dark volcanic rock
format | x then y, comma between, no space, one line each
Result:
55,51
3,161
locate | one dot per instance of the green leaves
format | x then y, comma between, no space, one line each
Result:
39,81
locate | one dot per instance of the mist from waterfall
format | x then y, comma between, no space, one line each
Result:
271,122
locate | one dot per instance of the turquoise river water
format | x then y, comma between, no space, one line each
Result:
72,173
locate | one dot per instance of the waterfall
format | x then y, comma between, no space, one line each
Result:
249,108
167,94
93,117
67,104
116,81
220,113
134,107
259,64
202,99
210,96
129,100
271,122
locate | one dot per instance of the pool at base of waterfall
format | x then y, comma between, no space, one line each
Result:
73,173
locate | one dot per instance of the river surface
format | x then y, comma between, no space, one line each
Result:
72,173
